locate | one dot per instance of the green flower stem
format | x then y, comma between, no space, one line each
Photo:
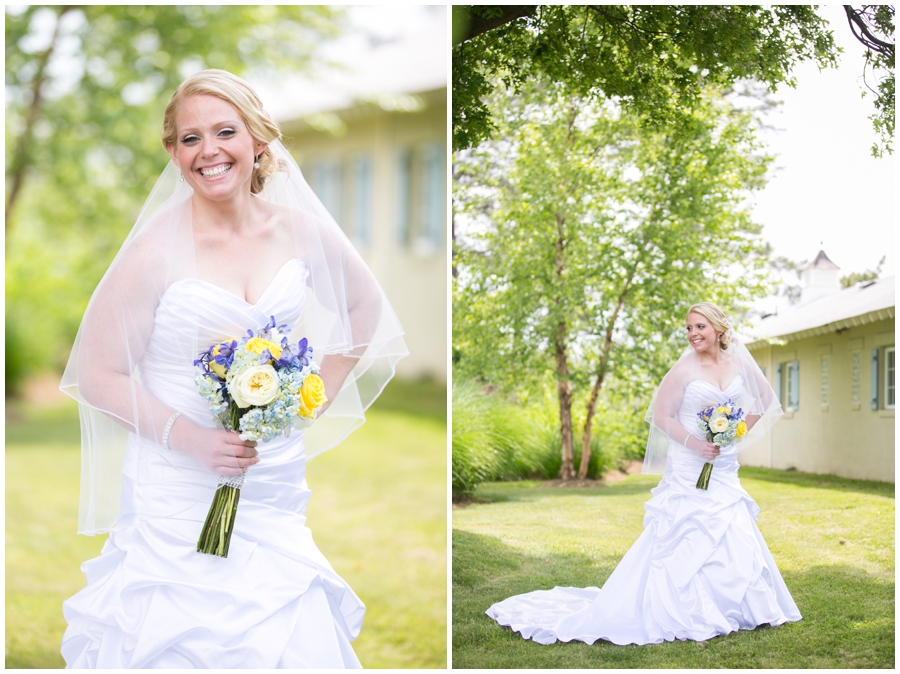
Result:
215,537
703,481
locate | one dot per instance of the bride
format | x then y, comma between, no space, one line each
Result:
229,238
701,568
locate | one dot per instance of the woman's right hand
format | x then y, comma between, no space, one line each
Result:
223,452
705,449
708,450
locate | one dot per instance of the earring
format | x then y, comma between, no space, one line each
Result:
181,177
256,162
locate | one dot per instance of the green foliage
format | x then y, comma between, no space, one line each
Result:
583,226
873,26
486,434
832,539
855,277
656,59
495,438
86,152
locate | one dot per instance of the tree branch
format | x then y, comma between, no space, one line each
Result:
21,159
479,24
869,41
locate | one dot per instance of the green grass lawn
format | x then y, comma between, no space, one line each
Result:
833,540
378,513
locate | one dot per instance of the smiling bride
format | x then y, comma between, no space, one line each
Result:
701,568
230,240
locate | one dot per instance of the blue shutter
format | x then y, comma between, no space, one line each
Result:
794,370
874,380
779,377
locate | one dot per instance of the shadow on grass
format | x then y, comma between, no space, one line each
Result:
28,424
848,618
818,481
531,490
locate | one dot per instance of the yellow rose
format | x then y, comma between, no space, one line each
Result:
312,395
719,425
722,410
256,385
257,345
741,429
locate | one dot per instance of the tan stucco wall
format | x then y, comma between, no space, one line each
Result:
842,438
415,283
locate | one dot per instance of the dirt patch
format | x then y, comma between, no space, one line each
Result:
630,468
609,477
573,484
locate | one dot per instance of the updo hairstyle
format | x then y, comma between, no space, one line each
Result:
717,319
231,89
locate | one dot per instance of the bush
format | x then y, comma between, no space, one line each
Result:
17,365
494,439
485,432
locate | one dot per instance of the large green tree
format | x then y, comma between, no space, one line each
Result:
584,233
873,26
656,59
86,87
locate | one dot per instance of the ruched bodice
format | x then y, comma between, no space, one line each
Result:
698,395
699,569
151,599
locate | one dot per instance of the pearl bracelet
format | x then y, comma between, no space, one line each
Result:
165,437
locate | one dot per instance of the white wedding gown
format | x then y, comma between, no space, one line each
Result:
700,568
153,601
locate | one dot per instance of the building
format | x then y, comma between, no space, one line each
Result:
831,360
371,139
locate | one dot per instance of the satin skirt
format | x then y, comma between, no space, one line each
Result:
153,601
700,569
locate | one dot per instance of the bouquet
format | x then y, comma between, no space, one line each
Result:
256,386
722,425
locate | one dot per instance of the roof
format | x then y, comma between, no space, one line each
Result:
385,73
822,262
865,302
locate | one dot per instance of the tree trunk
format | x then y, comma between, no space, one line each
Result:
586,434
563,389
21,158
564,392
601,375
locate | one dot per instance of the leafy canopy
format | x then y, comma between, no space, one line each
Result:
658,59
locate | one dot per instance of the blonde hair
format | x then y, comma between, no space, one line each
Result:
231,89
717,319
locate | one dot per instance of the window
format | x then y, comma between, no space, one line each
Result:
345,188
793,385
362,200
421,198
889,378
787,384
327,179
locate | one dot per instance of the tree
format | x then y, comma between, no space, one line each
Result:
86,87
588,233
656,59
873,26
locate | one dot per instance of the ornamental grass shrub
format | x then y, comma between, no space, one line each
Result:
495,439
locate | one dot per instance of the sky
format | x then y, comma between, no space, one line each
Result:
827,187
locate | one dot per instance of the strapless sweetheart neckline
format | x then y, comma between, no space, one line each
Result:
736,377
272,284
